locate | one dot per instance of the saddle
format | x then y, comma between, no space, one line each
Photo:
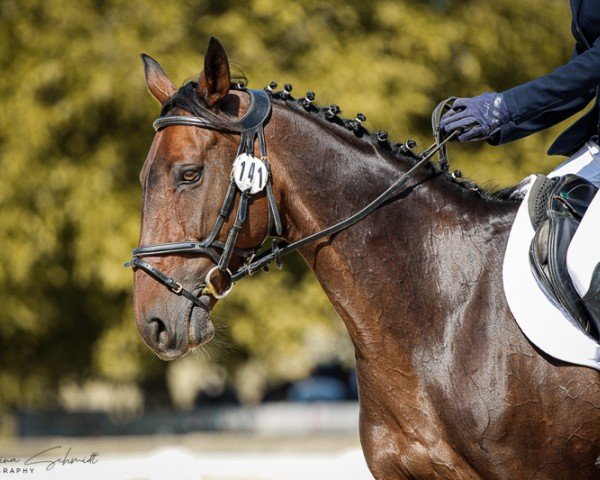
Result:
556,207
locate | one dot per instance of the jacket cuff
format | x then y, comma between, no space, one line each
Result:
511,104
499,136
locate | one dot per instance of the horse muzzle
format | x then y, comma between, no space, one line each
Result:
171,330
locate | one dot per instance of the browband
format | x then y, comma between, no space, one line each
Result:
255,117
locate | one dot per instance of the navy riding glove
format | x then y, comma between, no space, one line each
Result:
478,117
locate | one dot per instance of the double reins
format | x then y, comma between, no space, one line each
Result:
246,183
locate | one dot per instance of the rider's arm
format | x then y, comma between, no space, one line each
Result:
563,86
512,131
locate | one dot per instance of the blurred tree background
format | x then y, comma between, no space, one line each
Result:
76,126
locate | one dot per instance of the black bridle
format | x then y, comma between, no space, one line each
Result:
251,129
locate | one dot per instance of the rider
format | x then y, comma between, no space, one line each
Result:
536,105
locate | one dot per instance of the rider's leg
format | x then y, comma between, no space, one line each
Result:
585,163
584,250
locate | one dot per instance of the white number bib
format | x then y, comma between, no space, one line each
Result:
249,173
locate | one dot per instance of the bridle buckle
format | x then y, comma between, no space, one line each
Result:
177,288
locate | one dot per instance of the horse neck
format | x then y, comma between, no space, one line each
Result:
409,271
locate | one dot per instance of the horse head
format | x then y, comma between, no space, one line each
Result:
186,180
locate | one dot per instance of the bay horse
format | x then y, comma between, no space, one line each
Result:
449,387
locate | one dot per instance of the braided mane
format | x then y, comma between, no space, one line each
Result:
401,151
186,99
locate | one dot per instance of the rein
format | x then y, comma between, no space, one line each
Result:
283,248
251,128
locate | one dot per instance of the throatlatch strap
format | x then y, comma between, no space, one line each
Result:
273,211
274,217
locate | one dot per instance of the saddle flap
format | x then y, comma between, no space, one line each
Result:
547,327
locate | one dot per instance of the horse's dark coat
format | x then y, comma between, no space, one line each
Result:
449,387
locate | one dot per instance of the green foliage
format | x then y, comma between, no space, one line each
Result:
75,128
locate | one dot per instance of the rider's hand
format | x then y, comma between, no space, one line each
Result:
478,117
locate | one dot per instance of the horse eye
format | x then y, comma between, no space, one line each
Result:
190,176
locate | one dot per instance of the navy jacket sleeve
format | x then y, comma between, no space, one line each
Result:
566,84
512,131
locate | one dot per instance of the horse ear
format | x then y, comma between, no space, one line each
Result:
158,83
214,81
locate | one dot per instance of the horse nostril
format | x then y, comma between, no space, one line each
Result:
158,331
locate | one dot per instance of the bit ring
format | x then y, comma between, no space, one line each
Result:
210,289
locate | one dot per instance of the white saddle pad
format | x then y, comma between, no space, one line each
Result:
541,322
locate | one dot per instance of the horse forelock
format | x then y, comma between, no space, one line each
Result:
187,99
